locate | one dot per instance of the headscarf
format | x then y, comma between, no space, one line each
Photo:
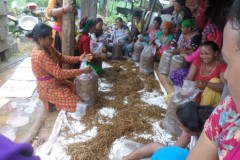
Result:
212,33
84,25
188,23
167,24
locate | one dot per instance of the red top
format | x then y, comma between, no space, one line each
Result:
215,73
84,43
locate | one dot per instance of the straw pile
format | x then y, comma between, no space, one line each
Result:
131,118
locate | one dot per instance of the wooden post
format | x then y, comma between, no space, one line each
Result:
88,8
150,15
68,40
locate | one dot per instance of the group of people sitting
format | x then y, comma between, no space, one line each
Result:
214,132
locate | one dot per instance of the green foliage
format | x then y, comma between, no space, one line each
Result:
111,19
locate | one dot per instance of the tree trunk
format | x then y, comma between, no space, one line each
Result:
88,8
68,32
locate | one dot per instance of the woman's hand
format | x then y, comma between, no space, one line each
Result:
69,8
86,70
201,84
86,57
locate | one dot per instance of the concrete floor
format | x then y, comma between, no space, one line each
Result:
38,131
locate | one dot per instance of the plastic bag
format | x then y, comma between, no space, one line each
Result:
87,86
177,62
181,95
96,49
137,50
122,148
117,51
81,109
165,62
147,60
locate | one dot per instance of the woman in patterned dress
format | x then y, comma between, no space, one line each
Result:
52,84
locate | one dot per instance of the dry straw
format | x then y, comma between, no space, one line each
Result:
130,119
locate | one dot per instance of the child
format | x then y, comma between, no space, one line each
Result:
192,117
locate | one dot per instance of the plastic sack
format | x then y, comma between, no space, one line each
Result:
170,153
177,62
123,147
87,86
81,109
137,50
165,62
147,60
117,51
96,49
181,95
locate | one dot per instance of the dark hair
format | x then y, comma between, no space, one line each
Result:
234,15
212,44
98,20
181,2
158,19
119,18
193,116
137,13
40,30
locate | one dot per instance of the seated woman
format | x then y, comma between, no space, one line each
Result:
164,37
207,71
98,35
188,41
210,33
121,33
179,12
138,23
52,84
86,25
151,35
191,117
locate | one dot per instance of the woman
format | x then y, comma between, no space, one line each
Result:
188,41
201,18
164,37
121,33
179,12
207,72
98,33
52,84
191,117
138,23
55,10
220,138
86,25
151,35
210,33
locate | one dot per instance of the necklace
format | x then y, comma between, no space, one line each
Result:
207,68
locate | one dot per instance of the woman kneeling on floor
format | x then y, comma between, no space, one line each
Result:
52,84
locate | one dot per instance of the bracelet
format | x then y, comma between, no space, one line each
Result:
63,10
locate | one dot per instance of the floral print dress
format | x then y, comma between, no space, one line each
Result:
223,128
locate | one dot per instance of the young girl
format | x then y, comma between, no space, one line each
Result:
191,117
